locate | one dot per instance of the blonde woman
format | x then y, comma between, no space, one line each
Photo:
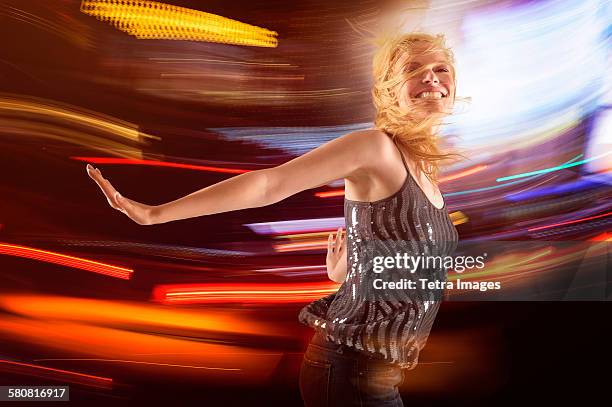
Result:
361,347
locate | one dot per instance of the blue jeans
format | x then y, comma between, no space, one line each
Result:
336,375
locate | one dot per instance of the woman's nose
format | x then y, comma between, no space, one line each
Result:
430,77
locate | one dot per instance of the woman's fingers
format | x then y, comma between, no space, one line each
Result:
139,213
335,244
341,237
343,243
338,234
107,188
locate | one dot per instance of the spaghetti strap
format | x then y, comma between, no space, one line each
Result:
410,177
401,155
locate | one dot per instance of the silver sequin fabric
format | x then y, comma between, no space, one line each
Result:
393,330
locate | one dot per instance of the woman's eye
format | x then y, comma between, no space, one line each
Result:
443,69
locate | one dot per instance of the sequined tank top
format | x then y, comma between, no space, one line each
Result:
392,330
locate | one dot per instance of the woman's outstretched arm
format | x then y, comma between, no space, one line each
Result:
243,191
340,158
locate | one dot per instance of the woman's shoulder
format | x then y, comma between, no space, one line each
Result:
374,139
377,142
373,132
375,150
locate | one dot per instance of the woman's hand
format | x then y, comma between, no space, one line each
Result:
139,213
336,249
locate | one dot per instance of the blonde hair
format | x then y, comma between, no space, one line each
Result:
411,130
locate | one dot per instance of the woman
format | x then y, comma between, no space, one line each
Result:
363,343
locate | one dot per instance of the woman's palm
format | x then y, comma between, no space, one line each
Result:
138,212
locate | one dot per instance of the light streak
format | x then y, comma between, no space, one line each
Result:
329,194
603,215
141,362
153,20
66,260
551,169
464,173
153,317
154,163
297,246
56,374
247,292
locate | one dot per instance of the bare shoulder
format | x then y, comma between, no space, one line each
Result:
380,165
370,141
377,146
372,133
374,150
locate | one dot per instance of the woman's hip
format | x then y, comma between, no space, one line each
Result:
335,375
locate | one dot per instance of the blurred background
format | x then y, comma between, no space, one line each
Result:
167,98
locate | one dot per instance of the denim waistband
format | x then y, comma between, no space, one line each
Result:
319,339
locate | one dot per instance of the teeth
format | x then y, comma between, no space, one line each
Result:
430,95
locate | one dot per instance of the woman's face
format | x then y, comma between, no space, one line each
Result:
431,89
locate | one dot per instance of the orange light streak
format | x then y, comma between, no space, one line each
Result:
464,173
307,245
56,374
165,355
328,194
129,161
292,268
142,363
132,314
603,215
303,236
603,237
251,293
154,20
66,260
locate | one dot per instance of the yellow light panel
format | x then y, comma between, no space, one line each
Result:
153,20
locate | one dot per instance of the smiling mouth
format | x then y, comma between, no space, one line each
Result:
431,95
